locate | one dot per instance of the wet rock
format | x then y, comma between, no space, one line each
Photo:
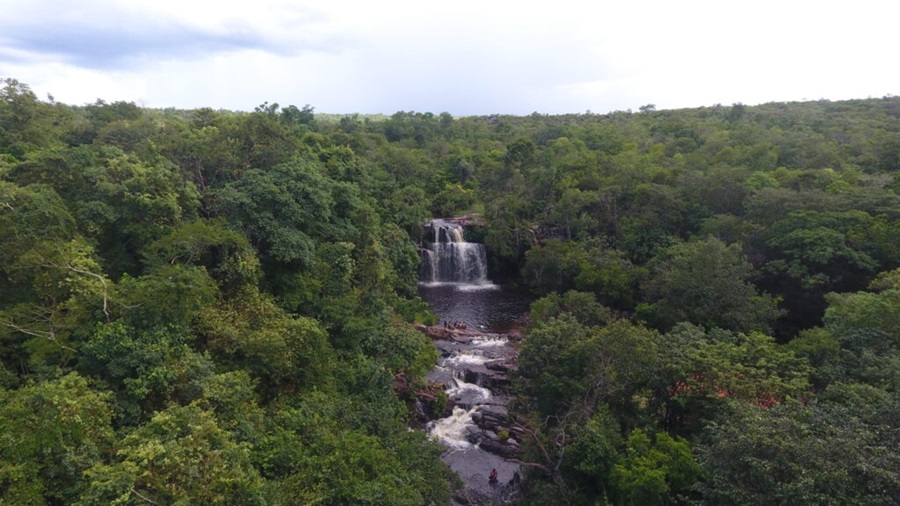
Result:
496,495
514,336
499,365
445,348
435,332
491,417
491,441
485,377
472,376
500,371
494,433
430,403
508,449
496,374
497,381
474,363
439,332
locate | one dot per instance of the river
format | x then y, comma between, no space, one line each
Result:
474,364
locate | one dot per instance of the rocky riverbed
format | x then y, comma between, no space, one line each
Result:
465,408
465,404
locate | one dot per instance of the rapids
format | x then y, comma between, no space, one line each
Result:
454,282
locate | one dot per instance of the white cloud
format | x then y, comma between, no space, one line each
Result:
465,57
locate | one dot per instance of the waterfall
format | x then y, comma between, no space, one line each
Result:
480,438
448,258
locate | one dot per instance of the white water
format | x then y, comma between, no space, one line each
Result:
466,287
489,341
468,357
467,394
460,287
449,258
452,430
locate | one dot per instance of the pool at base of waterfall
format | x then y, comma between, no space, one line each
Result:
487,307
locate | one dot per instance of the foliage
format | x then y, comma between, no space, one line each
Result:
231,291
706,283
283,211
180,456
148,368
654,471
309,458
52,432
250,330
790,454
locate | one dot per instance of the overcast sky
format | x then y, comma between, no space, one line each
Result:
460,56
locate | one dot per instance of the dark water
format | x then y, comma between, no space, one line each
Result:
495,307
496,310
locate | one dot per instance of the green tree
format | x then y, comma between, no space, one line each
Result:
181,456
225,254
408,208
52,432
582,306
660,470
309,459
453,199
710,369
285,210
865,325
552,266
595,450
129,203
26,123
707,283
65,293
168,295
567,364
250,331
819,248
816,253
796,454
28,215
147,368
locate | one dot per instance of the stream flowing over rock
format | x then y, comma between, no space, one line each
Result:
477,341
448,258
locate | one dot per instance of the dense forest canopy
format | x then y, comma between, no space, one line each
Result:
201,306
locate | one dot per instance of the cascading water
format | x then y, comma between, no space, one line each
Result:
472,446
476,356
448,258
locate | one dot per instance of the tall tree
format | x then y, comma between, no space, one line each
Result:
706,282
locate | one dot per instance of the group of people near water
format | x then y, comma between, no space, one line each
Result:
455,325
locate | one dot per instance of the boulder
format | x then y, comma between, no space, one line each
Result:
491,417
489,441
